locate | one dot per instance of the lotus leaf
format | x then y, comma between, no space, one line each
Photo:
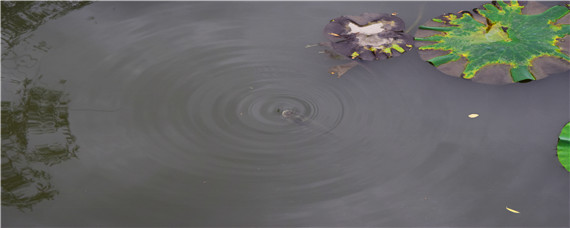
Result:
499,43
369,36
564,147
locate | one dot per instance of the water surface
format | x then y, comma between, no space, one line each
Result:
168,114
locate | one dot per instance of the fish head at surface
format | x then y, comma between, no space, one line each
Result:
291,114
287,112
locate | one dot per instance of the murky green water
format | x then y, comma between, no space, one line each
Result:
170,114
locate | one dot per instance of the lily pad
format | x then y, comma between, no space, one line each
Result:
498,43
370,36
564,147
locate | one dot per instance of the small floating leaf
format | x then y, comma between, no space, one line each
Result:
473,115
513,211
339,70
563,147
354,55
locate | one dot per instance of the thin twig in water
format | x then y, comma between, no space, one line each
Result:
420,15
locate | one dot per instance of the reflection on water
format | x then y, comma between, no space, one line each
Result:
35,135
179,111
19,18
35,126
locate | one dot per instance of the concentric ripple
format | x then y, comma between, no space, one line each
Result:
238,108
226,110
209,103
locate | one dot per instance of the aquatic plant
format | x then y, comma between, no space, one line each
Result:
498,43
563,147
369,36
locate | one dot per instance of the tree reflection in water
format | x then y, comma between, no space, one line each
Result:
35,126
35,135
21,17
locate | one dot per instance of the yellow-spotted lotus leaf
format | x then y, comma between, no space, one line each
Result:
564,147
500,42
370,36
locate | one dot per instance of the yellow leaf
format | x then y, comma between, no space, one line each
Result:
473,115
354,55
398,48
511,210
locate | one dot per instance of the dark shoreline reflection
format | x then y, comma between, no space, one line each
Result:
35,125
35,135
20,18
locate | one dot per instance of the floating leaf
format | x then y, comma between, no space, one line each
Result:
339,70
498,43
473,115
369,36
563,147
354,55
511,210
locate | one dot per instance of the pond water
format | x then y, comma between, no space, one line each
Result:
171,114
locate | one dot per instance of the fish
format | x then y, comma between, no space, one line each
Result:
294,116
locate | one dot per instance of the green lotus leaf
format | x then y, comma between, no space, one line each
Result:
498,43
564,147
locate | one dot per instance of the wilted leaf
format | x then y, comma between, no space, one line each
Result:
339,70
369,36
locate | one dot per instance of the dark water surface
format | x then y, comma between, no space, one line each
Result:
168,114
